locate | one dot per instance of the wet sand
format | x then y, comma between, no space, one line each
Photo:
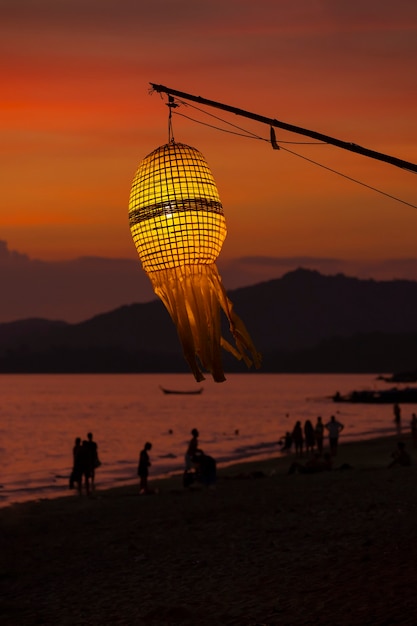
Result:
336,548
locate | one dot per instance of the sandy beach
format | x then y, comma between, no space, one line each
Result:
263,548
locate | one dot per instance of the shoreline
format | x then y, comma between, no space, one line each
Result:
264,547
125,483
264,458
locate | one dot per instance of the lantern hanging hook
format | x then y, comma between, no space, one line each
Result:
171,104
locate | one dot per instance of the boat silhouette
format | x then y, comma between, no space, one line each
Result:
387,396
193,392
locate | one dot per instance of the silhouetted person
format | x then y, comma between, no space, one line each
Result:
85,464
192,450
309,437
287,442
76,474
400,456
414,429
397,417
92,459
319,434
297,437
143,469
206,469
334,428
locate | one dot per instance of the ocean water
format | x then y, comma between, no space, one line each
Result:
242,418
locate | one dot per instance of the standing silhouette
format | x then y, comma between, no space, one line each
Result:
414,429
76,474
297,437
397,417
85,465
192,450
319,434
309,436
143,469
92,459
334,428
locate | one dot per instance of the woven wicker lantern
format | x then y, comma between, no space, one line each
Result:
178,227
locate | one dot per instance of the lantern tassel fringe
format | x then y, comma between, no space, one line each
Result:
194,296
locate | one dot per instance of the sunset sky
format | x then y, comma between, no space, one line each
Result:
77,118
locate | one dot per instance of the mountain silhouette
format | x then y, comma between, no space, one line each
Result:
303,321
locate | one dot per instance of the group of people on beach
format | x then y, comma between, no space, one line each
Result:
85,462
311,438
199,467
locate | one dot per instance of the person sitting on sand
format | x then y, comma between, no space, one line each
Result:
205,468
286,442
312,466
400,456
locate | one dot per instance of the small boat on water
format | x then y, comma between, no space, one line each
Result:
387,396
193,392
401,377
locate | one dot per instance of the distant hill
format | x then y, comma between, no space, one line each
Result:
303,322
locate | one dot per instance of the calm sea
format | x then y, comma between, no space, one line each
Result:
242,418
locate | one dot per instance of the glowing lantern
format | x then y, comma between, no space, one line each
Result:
178,226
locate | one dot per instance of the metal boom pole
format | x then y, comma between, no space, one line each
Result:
353,147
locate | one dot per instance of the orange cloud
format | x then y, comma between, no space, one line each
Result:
76,119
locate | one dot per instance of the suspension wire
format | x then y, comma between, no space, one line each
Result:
251,135
248,132
223,130
354,180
